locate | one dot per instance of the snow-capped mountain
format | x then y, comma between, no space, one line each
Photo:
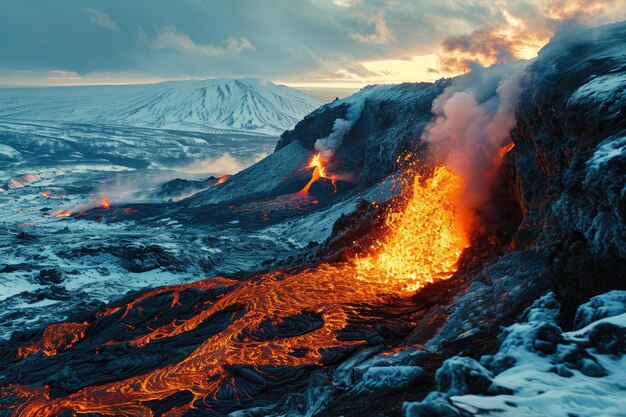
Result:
217,105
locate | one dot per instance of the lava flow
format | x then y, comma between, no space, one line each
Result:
292,202
274,323
102,202
105,203
221,180
318,172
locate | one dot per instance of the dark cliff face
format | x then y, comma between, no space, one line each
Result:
569,160
392,121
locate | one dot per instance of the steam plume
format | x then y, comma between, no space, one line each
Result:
473,119
328,146
523,28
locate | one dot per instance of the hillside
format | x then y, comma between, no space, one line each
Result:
212,106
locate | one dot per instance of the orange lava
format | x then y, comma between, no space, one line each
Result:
318,172
221,180
105,203
506,149
102,202
427,236
57,337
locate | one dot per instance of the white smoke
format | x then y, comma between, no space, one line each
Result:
225,164
474,117
134,187
328,146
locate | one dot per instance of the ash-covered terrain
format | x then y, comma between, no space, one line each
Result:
445,249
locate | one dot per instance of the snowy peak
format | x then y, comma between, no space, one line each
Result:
214,105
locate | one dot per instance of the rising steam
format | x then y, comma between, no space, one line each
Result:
520,29
328,146
474,116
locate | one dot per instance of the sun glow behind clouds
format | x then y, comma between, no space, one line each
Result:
388,71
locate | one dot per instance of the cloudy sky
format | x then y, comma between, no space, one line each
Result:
339,43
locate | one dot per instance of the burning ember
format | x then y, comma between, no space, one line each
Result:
318,172
425,240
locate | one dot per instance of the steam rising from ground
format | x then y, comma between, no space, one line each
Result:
474,116
127,187
328,146
225,164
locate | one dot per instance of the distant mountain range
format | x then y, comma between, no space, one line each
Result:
223,105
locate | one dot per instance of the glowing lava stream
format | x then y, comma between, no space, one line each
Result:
103,202
425,240
318,172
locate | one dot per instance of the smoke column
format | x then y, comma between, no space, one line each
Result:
328,146
474,117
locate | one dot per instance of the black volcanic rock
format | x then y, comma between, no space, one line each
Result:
391,123
50,276
570,171
180,187
563,230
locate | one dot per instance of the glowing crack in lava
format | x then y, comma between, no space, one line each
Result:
318,172
424,243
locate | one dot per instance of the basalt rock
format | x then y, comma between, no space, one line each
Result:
561,229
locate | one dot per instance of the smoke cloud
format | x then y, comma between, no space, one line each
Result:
523,29
224,164
126,187
474,117
328,146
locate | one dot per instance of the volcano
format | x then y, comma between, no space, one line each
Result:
430,286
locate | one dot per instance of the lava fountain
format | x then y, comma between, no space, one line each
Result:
319,171
426,236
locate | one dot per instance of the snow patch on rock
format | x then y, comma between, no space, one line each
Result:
545,370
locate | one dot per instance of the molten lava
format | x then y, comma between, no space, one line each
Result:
102,202
57,337
425,240
105,203
221,180
318,172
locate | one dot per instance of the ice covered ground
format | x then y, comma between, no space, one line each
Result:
122,228
48,264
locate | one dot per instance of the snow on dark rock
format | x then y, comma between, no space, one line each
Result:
538,370
223,105
435,404
395,377
610,304
461,375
